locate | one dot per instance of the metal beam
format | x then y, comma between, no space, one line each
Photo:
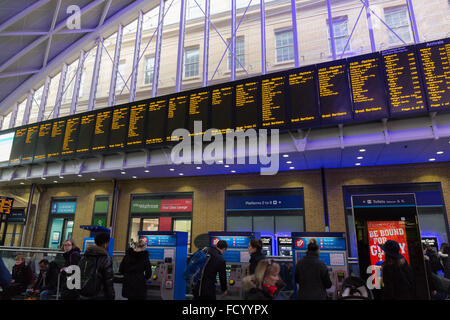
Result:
263,37
18,74
12,120
60,93
104,13
23,13
76,85
157,59
370,26
112,84
295,33
180,56
95,75
44,98
26,114
137,48
233,40
412,18
206,43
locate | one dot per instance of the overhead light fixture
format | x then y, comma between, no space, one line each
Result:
55,181
61,177
122,172
226,166
80,175
220,161
134,177
233,171
285,156
172,169
362,150
288,162
359,158
22,183
181,174
432,159
198,168
147,171
357,164
440,152
92,179
43,178
291,168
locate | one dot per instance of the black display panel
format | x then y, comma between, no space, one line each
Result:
273,101
40,154
222,109
103,122
334,92
30,144
119,127
435,60
56,139
246,110
70,136
198,110
176,115
404,85
17,147
156,121
136,124
367,87
86,131
303,97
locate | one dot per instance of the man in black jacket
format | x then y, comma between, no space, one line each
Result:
105,273
206,287
46,282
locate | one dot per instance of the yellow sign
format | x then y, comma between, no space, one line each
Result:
6,205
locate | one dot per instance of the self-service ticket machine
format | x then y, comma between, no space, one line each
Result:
168,255
94,230
333,252
236,257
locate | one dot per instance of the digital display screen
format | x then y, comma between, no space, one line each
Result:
56,139
198,111
119,126
176,115
87,127
42,141
136,124
222,109
247,105
6,205
273,104
102,129
17,147
303,96
403,82
334,92
30,144
435,59
70,136
368,93
156,120
6,143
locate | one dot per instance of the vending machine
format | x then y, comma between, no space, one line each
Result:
168,255
236,257
332,251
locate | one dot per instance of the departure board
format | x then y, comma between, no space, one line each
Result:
136,124
102,129
334,93
303,99
17,147
56,139
367,84
40,153
404,85
222,109
176,115
198,111
30,143
246,110
70,136
435,59
156,120
119,127
86,131
273,101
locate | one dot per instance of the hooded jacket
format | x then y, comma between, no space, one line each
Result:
105,273
207,284
136,269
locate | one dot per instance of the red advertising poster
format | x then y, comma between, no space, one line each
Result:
381,231
176,205
165,224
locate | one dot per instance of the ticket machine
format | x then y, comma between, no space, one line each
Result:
94,230
236,257
333,253
284,246
168,255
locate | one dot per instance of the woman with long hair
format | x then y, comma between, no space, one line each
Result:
265,283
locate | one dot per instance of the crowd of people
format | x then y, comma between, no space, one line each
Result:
263,281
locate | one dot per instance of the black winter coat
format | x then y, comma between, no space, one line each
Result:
207,284
254,259
313,279
136,269
398,281
72,257
105,273
47,280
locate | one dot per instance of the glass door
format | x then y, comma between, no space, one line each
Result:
60,230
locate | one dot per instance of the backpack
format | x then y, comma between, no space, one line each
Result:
195,267
89,284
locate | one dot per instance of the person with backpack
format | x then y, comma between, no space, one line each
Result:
136,269
311,275
96,268
72,256
205,288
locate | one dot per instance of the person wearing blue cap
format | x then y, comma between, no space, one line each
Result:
397,274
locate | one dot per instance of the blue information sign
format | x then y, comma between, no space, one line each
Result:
232,242
64,207
160,240
384,200
276,202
